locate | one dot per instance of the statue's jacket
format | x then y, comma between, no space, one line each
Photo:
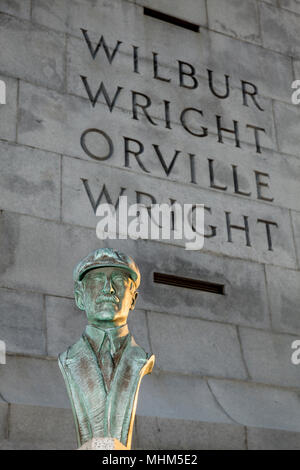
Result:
100,411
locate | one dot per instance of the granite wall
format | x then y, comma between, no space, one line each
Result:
223,377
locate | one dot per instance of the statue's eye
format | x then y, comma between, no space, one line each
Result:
119,279
96,279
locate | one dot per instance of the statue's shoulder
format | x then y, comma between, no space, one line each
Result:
73,351
134,352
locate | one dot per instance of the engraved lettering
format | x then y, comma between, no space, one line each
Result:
155,69
212,88
256,135
93,99
235,131
169,168
104,192
88,152
252,94
236,183
136,153
110,56
212,176
184,73
268,224
237,227
144,107
260,184
184,123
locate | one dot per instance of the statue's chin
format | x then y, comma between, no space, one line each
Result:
107,313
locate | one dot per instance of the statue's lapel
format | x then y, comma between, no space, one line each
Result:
122,392
86,375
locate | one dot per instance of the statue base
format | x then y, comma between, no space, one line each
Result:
103,443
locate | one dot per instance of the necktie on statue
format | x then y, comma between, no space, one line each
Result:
106,362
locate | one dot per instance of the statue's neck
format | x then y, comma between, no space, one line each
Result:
108,326
116,336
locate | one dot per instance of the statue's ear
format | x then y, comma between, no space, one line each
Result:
78,294
134,298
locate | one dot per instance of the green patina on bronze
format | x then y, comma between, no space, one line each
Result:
104,368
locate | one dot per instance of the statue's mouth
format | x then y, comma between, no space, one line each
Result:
107,299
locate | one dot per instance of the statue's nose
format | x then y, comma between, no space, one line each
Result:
108,287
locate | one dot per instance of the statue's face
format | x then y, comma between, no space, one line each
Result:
107,295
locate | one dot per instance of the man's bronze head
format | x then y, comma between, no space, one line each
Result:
106,283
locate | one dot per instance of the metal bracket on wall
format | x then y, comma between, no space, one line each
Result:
171,19
188,283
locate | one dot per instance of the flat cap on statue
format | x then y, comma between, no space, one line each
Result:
107,258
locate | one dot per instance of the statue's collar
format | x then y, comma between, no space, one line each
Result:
115,335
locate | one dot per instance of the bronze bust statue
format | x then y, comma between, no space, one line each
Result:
104,369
